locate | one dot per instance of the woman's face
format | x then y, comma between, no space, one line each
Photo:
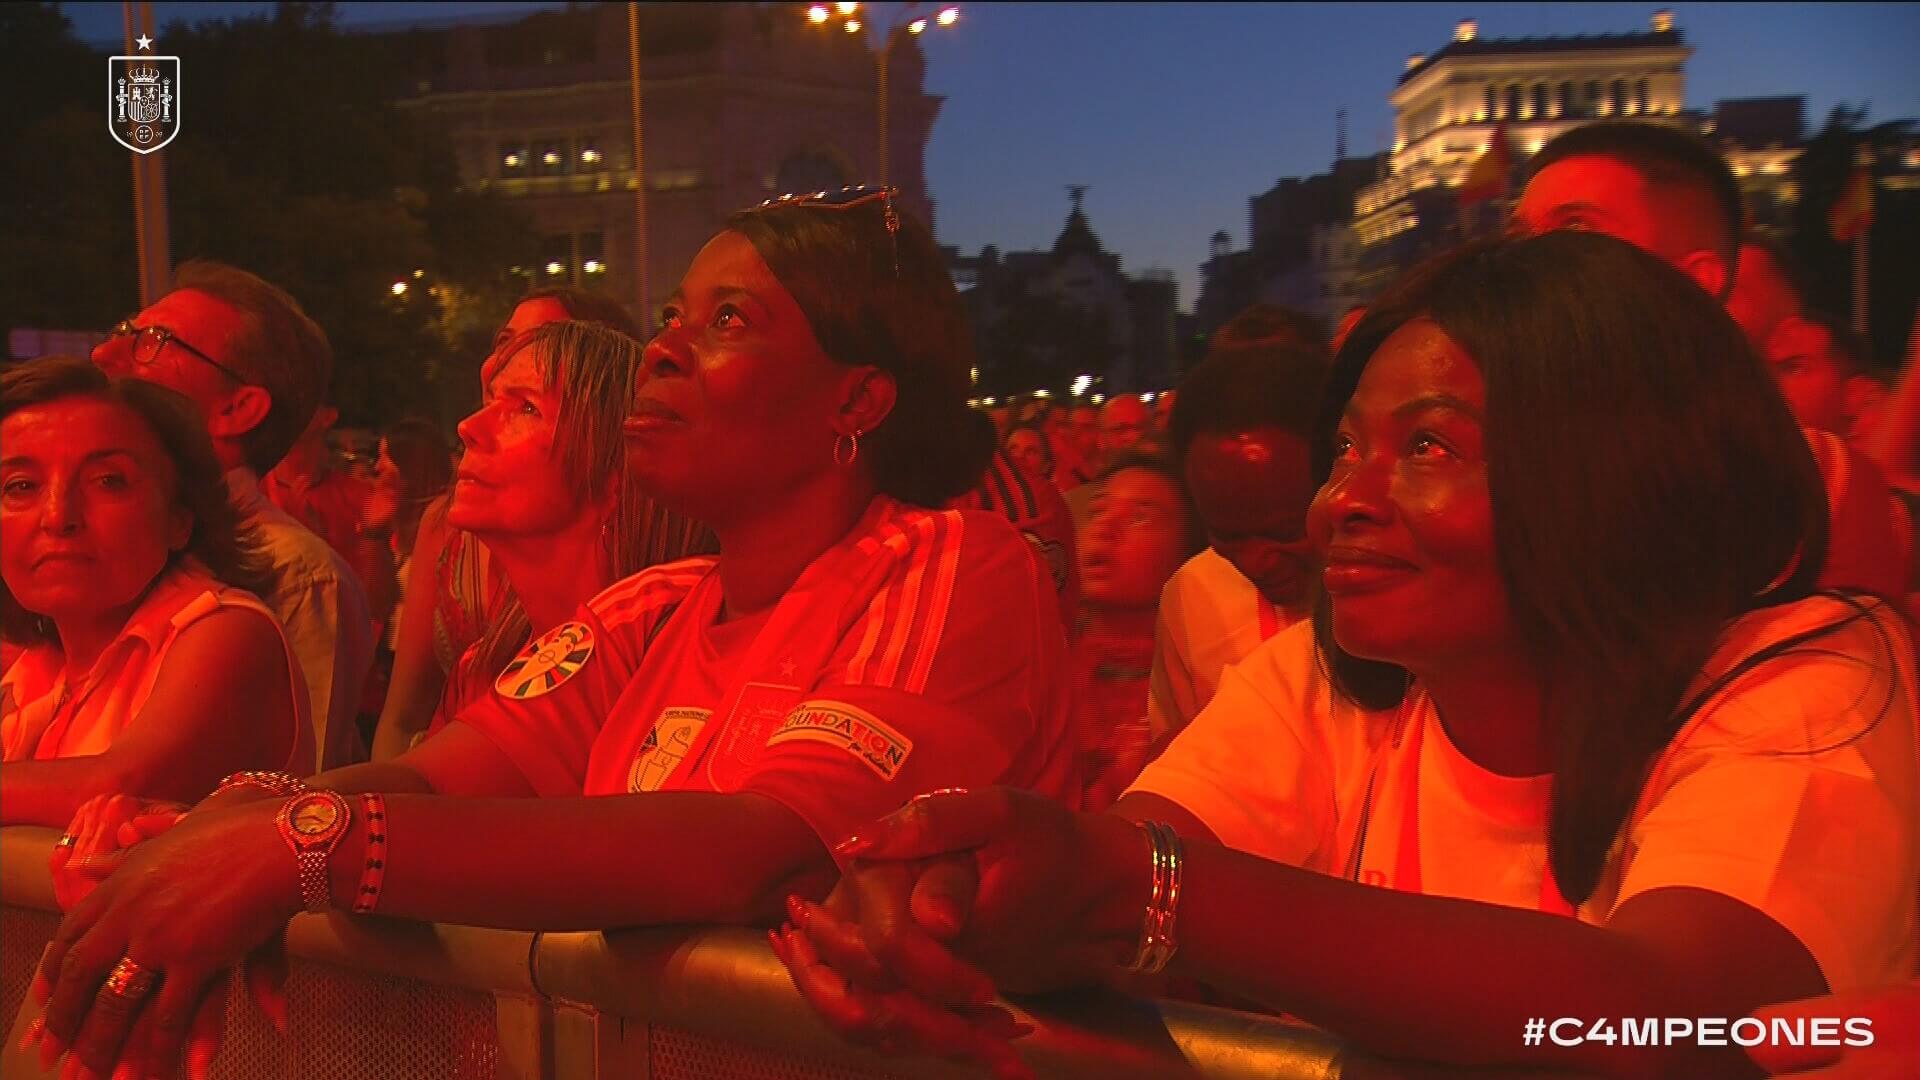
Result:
1405,520
386,474
737,401
509,482
87,513
1029,450
1133,540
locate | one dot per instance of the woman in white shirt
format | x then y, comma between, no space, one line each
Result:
1571,699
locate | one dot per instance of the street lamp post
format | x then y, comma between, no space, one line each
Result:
907,23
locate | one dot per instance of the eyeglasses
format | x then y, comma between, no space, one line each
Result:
149,340
856,195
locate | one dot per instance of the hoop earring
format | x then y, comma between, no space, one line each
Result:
853,448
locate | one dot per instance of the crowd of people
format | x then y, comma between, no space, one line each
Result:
1539,642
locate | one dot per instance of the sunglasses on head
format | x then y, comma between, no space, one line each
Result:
855,195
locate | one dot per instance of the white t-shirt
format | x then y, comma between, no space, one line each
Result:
1210,616
1792,790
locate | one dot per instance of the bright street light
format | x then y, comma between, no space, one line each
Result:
399,288
917,26
818,13
948,16
903,27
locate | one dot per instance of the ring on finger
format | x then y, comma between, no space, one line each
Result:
66,840
131,980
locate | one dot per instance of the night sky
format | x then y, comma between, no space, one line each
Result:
1175,114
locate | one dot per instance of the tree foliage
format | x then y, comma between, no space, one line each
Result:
294,161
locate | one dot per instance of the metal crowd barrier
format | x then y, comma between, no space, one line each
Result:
386,999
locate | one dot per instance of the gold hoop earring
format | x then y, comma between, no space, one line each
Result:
853,448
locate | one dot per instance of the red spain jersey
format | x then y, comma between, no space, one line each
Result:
922,651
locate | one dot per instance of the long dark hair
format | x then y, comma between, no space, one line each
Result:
218,541
1648,485
884,298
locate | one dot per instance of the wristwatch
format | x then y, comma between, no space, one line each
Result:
313,824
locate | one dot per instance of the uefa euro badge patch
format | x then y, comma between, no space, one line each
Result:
143,99
544,665
666,746
854,730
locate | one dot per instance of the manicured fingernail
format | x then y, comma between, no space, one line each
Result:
34,1027
773,941
853,846
797,910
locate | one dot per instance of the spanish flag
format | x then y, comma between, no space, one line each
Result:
1852,213
1489,176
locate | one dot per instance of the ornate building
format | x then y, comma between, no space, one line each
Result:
739,102
1449,103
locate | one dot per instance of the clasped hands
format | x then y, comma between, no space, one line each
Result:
953,897
161,904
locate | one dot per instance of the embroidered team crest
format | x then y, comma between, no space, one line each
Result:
143,100
837,724
666,746
545,664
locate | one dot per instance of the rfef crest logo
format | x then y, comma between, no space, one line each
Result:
143,100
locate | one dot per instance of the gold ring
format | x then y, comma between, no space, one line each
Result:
66,840
129,980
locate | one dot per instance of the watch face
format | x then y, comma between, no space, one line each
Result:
315,816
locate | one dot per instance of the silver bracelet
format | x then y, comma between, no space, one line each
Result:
1157,941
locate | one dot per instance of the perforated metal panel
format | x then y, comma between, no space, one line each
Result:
677,1054
23,936
352,1027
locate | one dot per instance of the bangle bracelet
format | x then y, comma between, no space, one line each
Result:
1157,943
375,873
273,783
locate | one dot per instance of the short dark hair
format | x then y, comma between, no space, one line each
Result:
1668,160
1648,484
592,307
1193,536
218,541
1046,443
1850,348
278,347
1259,371
1270,324
882,296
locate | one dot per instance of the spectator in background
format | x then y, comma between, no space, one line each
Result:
150,667
1124,422
1668,192
1242,430
1162,414
256,365
1038,510
1032,450
1765,291
414,468
327,498
1142,528
1086,434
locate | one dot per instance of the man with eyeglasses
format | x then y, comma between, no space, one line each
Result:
256,365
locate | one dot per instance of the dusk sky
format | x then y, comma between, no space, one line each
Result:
1176,114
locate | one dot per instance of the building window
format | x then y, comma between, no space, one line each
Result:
1491,102
513,159
1566,100
1539,101
1640,92
1513,102
1593,97
550,158
1619,97
590,159
593,255
556,260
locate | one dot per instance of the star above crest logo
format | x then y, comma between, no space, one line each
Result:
144,42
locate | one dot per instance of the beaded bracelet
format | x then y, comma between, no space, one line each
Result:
375,873
1157,942
273,783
